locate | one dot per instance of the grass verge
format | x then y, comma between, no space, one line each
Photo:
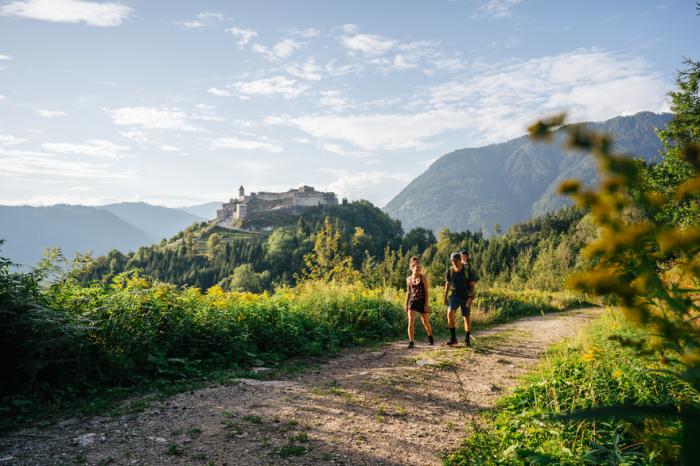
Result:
589,371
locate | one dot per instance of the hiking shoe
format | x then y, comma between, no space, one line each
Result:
410,344
430,339
452,343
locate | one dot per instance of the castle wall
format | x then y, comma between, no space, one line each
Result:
243,207
309,199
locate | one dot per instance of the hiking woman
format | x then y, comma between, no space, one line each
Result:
417,287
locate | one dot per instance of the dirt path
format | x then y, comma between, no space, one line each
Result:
389,406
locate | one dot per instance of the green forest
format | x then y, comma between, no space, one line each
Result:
209,304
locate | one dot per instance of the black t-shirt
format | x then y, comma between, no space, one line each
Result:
459,280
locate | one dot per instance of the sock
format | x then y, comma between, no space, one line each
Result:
453,332
466,335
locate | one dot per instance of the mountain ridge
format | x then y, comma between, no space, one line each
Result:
28,230
509,182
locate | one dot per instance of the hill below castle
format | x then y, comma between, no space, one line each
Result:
507,183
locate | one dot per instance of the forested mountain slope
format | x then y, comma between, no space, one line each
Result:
506,183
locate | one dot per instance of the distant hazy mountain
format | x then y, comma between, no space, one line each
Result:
156,221
206,211
27,231
512,181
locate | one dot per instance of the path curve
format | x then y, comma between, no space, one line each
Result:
379,406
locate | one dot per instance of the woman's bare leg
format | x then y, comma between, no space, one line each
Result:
411,323
424,317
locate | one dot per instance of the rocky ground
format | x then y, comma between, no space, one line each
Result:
385,405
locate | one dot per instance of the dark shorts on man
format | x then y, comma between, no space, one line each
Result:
457,302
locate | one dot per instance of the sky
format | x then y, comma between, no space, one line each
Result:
181,102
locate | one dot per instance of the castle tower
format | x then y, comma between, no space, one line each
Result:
241,193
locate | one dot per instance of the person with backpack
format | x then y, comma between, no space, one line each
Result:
473,278
417,287
459,285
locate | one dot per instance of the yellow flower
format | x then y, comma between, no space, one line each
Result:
617,374
591,354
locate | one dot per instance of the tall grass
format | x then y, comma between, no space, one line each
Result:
589,371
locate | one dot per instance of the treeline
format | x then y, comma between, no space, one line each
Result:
354,241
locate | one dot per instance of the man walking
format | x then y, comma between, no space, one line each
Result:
457,286
472,278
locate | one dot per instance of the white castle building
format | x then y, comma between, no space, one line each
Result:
293,200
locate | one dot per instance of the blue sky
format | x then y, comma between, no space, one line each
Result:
178,103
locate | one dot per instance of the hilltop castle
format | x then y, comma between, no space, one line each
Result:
293,200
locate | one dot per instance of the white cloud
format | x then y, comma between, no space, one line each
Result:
277,85
495,9
153,117
169,148
14,163
340,70
282,49
203,20
350,28
448,63
92,147
334,100
377,185
136,136
307,33
383,132
242,144
308,70
341,150
5,57
50,113
244,36
205,112
590,85
10,140
402,62
69,11
368,44
2,97
219,92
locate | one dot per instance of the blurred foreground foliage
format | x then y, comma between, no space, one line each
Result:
646,254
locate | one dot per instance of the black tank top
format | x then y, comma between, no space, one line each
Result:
416,291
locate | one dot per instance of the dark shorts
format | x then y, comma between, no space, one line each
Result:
418,306
457,302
